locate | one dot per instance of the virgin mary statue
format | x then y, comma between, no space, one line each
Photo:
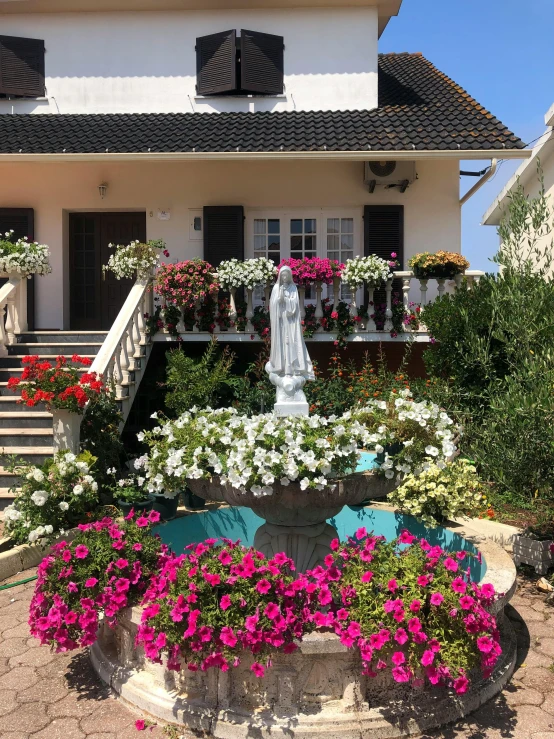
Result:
289,364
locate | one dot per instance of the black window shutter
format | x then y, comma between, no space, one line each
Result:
223,233
383,236
21,66
384,231
261,62
216,63
22,220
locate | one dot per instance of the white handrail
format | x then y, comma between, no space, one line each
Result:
9,319
123,355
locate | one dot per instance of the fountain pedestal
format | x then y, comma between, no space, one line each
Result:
296,519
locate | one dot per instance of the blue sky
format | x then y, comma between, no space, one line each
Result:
500,51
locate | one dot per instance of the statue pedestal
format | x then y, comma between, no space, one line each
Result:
291,408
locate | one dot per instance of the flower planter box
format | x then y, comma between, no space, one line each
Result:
143,505
533,552
166,507
67,430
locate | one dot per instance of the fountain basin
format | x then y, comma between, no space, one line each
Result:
296,521
318,691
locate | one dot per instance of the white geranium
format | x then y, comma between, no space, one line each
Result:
371,270
63,505
250,273
23,256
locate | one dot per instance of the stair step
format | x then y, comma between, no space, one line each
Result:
28,454
54,349
24,437
8,479
69,337
24,420
9,404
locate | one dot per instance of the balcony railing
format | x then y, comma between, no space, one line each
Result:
416,293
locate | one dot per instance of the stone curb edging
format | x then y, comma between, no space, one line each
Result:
24,556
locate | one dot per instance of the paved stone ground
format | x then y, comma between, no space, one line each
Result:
49,696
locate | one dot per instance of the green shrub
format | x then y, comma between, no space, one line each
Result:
52,498
200,382
492,361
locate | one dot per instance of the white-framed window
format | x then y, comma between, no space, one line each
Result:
336,233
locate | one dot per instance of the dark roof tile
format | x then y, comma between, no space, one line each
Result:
419,108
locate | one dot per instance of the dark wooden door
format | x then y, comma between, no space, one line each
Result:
95,300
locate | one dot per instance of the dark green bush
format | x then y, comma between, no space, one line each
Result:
203,382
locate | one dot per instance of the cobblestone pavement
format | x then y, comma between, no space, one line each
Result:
57,696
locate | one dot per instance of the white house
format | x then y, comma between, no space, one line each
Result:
527,175
228,128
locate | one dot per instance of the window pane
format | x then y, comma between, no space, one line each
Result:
310,226
333,225
347,241
274,243
347,225
296,226
296,243
259,225
273,226
309,245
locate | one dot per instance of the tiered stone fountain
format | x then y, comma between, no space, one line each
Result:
319,690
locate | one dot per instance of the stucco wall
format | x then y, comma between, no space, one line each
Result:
145,61
431,204
531,185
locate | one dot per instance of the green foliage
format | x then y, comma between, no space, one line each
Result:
200,382
345,384
253,392
441,492
100,435
493,358
514,445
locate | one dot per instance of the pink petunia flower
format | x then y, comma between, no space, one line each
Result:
437,599
81,551
398,658
257,669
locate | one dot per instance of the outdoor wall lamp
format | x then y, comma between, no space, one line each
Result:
103,189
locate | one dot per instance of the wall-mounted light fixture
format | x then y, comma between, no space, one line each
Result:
103,189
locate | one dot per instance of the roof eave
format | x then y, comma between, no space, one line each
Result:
524,172
366,155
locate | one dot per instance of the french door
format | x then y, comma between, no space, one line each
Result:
95,300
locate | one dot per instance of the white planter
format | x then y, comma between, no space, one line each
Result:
67,430
535,553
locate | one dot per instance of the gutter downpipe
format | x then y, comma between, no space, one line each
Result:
479,184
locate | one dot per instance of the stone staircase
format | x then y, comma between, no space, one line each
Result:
27,432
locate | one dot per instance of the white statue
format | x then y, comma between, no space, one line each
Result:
289,364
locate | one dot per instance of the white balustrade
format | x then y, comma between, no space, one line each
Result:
415,293
12,317
122,357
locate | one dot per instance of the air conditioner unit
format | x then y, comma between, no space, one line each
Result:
389,174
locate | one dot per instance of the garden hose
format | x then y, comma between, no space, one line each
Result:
19,582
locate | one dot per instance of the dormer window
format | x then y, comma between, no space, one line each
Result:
250,64
21,67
